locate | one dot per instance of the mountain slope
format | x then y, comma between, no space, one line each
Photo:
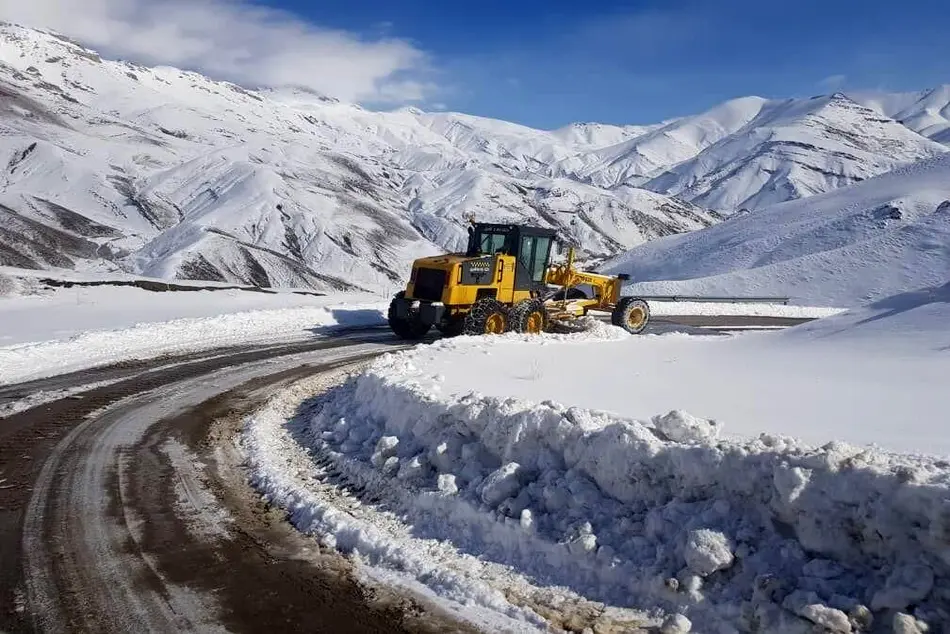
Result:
926,112
110,165
848,247
634,161
793,149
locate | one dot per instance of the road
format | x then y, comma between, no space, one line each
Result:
124,505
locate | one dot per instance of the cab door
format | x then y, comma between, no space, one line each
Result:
532,261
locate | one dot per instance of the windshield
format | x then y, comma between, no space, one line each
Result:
488,242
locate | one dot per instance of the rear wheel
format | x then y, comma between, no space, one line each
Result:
487,317
528,316
410,327
631,314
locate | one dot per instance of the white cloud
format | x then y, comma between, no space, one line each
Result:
833,82
237,41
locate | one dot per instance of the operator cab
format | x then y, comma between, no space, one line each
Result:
530,246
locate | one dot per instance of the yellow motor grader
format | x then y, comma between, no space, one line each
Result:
505,282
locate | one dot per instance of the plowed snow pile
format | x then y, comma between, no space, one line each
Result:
663,514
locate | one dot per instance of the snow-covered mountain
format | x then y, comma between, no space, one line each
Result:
792,149
926,112
168,173
114,166
878,238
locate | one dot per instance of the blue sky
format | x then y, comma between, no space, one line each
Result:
541,63
548,63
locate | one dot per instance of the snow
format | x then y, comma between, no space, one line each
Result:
64,313
161,172
926,112
793,149
801,383
112,166
662,308
707,552
529,453
385,550
845,248
63,330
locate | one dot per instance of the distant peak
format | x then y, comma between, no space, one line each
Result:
309,92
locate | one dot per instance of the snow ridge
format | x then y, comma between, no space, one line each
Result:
640,514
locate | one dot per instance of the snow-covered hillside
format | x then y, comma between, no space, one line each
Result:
926,111
113,166
793,149
844,248
166,173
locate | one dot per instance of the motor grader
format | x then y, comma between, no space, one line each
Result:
505,282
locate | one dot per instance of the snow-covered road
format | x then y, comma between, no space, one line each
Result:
51,331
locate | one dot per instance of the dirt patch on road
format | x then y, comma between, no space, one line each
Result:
260,570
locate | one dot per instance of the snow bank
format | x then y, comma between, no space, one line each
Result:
814,385
22,362
720,309
915,319
769,534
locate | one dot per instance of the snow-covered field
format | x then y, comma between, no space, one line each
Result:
46,331
844,248
66,329
723,481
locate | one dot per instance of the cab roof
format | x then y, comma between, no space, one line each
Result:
528,230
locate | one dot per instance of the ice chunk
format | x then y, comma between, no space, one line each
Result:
501,484
680,426
527,519
707,551
412,470
808,606
676,624
790,483
861,617
905,585
906,624
447,484
385,448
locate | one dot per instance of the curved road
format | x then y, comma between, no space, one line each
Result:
124,506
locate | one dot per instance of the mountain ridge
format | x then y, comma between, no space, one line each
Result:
116,166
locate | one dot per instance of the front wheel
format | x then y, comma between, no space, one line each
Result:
487,317
409,326
631,314
529,316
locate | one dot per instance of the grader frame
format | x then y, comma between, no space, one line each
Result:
505,281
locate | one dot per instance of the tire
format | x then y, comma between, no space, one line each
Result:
528,316
411,328
631,314
487,317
